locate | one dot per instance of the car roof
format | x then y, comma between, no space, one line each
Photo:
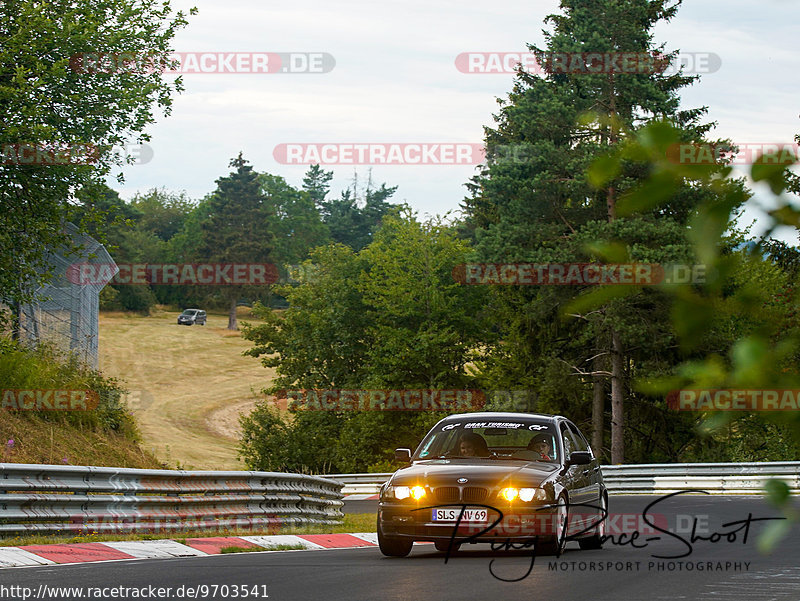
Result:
496,415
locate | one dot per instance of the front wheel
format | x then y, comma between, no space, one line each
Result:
596,541
393,546
554,545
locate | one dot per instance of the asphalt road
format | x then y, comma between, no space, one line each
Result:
722,571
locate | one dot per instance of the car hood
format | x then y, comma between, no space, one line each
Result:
482,472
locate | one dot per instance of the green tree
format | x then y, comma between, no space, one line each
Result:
317,183
162,212
104,215
52,101
388,317
536,201
238,226
298,225
356,215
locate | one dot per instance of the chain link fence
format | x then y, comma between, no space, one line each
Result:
65,311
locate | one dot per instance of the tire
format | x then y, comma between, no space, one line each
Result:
393,546
554,545
596,541
444,545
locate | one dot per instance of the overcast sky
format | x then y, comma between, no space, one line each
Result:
395,80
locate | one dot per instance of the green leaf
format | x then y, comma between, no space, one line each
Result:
610,252
771,167
774,532
598,298
649,195
604,169
787,215
778,492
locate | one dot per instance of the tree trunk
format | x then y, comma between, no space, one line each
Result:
617,417
617,409
598,407
232,323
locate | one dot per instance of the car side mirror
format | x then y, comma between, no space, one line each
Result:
403,455
579,458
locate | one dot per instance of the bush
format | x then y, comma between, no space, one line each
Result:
45,368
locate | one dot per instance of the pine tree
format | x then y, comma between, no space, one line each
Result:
535,201
238,227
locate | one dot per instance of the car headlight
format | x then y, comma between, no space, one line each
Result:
524,494
404,492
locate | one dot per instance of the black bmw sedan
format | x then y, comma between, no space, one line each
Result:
513,478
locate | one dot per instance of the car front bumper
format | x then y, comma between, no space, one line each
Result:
518,523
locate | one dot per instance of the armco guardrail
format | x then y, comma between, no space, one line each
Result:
60,498
728,478
653,478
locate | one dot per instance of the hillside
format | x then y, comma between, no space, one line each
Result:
27,438
188,384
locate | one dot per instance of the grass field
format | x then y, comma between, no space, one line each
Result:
188,384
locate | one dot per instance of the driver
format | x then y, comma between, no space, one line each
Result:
473,445
540,444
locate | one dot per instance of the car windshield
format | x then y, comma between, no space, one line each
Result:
189,312
517,439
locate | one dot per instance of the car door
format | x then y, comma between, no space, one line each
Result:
587,480
572,474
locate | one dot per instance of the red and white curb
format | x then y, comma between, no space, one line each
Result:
361,497
68,553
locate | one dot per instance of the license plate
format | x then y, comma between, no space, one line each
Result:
470,515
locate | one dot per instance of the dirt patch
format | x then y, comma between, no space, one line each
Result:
225,420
